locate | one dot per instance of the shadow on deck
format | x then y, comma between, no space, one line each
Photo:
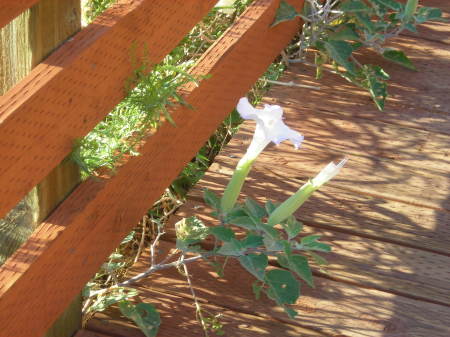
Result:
387,214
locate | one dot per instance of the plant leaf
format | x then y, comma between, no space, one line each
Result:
399,57
353,6
292,227
144,315
340,51
254,208
252,241
222,233
283,287
231,248
211,198
299,264
285,12
255,264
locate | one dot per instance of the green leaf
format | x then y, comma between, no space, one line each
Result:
211,198
254,208
299,264
365,20
231,248
290,312
428,14
319,246
268,230
292,227
270,207
353,6
346,32
283,287
318,259
388,3
222,233
378,90
340,51
252,241
285,12
242,221
255,264
128,238
399,57
309,239
380,73
144,315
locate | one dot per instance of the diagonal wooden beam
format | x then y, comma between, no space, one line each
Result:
65,96
41,278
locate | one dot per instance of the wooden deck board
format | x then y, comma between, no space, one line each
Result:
355,214
387,214
332,309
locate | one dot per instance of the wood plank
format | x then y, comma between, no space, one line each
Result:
332,308
334,208
178,319
10,9
423,90
366,262
369,175
73,242
66,95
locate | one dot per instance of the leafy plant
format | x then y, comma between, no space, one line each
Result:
335,31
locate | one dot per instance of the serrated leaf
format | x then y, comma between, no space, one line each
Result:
252,241
144,315
299,264
242,221
428,14
211,198
353,6
268,230
222,233
365,20
255,264
318,259
290,312
231,248
292,227
309,239
283,287
388,3
399,57
254,208
285,12
346,32
340,51
270,207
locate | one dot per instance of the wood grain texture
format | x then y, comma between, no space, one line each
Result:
178,318
331,309
66,95
10,9
73,242
337,209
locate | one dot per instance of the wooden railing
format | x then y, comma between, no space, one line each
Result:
66,95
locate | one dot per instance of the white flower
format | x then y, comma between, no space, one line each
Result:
269,127
327,173
226,3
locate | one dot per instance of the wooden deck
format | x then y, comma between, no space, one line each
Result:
387,214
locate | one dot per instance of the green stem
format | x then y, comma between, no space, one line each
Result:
234,187
288,207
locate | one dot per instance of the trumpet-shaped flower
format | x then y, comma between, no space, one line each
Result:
269,128
290,205
327,173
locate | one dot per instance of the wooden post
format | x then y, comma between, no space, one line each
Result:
24,43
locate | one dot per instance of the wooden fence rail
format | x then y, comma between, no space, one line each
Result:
66,96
